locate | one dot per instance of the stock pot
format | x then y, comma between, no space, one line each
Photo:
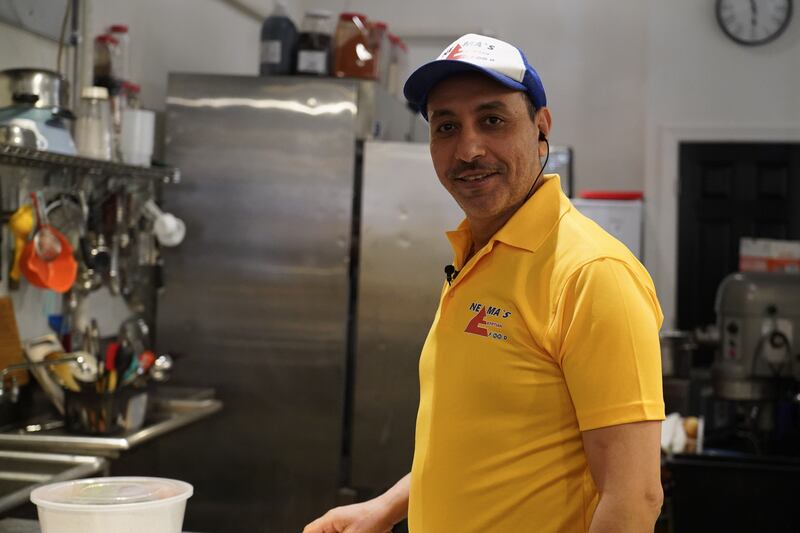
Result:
34,87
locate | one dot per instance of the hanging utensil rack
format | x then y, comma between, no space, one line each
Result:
28,157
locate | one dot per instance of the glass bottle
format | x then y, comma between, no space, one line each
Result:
353,56
106,61
314,44
93,135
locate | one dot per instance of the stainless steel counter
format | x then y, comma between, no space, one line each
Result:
14,525
171,410
21,472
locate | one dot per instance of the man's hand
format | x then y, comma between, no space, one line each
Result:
374,516
366,517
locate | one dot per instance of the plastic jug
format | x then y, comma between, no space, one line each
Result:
278,42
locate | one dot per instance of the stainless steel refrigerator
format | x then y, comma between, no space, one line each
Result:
303,291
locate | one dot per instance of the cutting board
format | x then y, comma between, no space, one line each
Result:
10,345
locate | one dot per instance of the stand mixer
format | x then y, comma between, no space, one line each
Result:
757,367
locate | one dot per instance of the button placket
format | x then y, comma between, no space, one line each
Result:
471,264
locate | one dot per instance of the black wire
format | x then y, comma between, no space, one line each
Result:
546,159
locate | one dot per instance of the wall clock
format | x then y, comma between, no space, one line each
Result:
753,22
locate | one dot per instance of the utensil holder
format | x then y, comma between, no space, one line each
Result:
93,413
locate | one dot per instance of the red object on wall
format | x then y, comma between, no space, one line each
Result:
611,195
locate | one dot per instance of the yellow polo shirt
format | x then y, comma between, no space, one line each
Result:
549,330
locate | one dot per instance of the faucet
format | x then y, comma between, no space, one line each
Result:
13,391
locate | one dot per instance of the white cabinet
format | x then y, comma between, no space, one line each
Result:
621,218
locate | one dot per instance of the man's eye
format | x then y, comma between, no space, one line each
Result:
447,127
494,121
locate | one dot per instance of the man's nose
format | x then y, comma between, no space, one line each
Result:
470,145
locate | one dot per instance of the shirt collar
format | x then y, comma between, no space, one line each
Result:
528,227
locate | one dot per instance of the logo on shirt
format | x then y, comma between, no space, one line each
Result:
486,321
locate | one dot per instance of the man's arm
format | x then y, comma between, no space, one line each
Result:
374,516
625,462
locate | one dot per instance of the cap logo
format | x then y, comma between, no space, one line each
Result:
488,53
455,53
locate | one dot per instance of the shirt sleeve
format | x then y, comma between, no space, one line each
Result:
607,322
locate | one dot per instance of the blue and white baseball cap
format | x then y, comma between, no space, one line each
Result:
497,59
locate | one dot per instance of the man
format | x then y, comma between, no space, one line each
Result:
540,379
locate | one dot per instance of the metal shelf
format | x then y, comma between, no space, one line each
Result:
28,157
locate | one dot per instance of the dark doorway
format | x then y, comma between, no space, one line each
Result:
729,191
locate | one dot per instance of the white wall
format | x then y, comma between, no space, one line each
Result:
23,49
701,86
203,36
590,54
695,74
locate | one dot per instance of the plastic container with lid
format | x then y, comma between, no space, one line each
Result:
136,137
315,43
278,42
394,63
130,91
93,129
112,505
398,68
381,50
126,98
121,70
353,56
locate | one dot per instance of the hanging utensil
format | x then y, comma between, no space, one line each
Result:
89,278
33,267
112,350
161,368
21,225
46,243
98,258
63,270
65,214
86,373
62,373
134,333
116,239
59,272
145,364
168,229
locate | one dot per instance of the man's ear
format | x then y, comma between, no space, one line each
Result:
543,121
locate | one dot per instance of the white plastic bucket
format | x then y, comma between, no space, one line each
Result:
113,505
136,138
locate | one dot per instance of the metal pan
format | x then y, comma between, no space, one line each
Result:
34,87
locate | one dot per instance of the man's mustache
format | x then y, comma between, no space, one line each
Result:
461,168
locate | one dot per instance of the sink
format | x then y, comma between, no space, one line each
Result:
21,472
55,454
170,410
